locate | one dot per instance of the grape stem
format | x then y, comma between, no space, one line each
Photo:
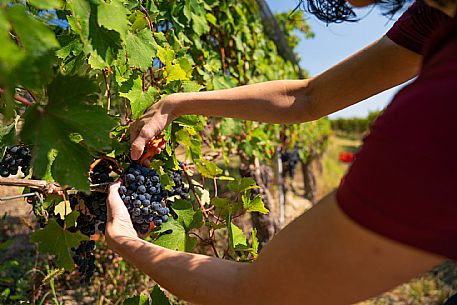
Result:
191,185
148,18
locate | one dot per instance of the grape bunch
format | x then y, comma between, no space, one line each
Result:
179,188
15,157
291,158
92,218
84,258
144,197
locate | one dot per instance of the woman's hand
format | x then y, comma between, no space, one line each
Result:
153,121
119,227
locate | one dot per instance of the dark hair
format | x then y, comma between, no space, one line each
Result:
336,11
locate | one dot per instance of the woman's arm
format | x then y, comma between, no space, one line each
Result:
376,68
322,257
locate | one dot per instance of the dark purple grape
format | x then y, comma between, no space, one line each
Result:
158,222
141,189
122,189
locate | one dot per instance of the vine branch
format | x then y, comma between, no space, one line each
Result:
47,186
191,185
148,18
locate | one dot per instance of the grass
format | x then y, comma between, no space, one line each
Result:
333,169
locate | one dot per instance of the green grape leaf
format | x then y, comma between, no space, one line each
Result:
254,205
230,127
241,185
237,238
62,209
158,297
193,146
103,45
208,169
46,4
141,49
113,16
192,86
195,12
255,243
140,100
32,64
141,299
50,127
194,121
52,154
138,21
71,218
225,207
175,72
187,220
166,55
11,55
35,36
55,240
7,135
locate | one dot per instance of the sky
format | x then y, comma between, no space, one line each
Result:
335,42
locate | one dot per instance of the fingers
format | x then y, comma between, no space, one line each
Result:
113,191
113,199
138,147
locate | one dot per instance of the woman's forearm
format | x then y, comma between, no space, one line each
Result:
196,278
378,67
281,101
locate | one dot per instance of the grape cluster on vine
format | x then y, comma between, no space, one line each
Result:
15,157
291,158
144,198
179,188
84,258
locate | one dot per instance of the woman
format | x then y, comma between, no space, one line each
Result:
393,216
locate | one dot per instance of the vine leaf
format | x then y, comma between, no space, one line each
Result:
62,209
46,4
31,64
113,16
7,135
255,243
141,299
50,127
208,169
158,297
236,237
103,45
254,205
140,100
141,49
225,206
242,185
187,220
54,239
175,72
195,12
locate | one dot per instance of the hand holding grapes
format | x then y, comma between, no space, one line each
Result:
119,225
